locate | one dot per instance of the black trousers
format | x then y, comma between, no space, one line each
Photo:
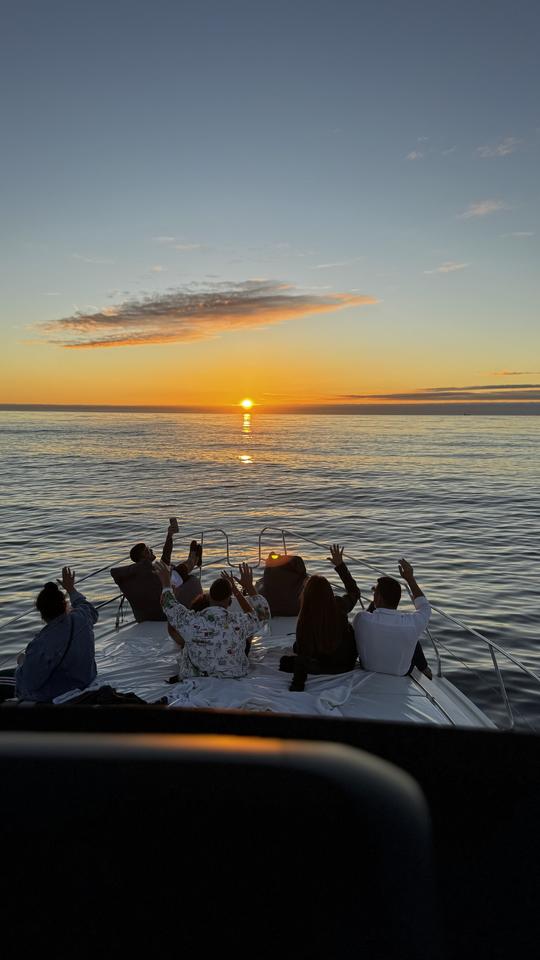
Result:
419,661
7,684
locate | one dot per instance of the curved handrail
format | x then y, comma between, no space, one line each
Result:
87,576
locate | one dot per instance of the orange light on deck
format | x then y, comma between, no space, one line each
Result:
246,404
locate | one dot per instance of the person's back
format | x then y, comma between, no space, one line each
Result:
324,637
386,638
215,639
61,657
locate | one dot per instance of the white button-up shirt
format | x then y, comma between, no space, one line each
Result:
386,639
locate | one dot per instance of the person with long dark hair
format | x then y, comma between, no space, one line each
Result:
324,637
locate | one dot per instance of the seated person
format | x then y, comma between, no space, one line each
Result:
61,657
215,641
281,584
138,583
387,641
324,637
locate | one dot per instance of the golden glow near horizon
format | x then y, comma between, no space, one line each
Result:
247,404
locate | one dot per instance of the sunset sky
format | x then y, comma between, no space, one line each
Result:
305,202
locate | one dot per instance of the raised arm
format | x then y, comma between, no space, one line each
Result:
407,573
166,553
246,581
258,603
353,592
81,607
178,616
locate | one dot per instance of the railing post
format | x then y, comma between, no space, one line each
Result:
437,654
503,688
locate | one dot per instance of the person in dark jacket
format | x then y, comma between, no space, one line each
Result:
61,657
324,637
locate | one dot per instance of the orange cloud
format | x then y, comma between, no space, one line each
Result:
184,315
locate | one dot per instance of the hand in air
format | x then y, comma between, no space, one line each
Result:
246,576
162,571
405,569
231,580
336,554
68,579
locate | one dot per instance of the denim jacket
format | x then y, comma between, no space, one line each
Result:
48,670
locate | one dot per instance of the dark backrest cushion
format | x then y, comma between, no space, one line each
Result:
142,588
282,585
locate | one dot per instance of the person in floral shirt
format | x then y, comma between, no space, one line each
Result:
215,642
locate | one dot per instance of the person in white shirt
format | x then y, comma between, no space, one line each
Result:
387,640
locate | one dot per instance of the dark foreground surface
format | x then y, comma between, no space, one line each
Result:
249,848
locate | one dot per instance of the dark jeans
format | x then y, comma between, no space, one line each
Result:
7,684
419,661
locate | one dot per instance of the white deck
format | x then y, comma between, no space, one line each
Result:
140,657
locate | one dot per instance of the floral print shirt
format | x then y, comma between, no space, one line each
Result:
214,639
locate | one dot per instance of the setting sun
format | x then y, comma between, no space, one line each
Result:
246,404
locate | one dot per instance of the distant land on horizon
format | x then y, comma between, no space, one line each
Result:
504,408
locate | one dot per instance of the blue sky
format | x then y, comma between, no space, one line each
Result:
381,149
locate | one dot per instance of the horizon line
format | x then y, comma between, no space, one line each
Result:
448,408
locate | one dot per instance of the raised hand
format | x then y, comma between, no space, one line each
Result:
193,555
246,577
231,580
68,579
162,571
336,554
406,569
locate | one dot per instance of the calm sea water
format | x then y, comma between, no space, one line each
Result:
458,496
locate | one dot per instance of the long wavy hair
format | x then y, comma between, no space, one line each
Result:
317,627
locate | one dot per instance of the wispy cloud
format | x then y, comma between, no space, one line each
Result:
450,150
515,373
273,252
158,268
100,260
337,263
176,243
502,149
483,393
194,314
414,155
450,266
519,233
481,208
